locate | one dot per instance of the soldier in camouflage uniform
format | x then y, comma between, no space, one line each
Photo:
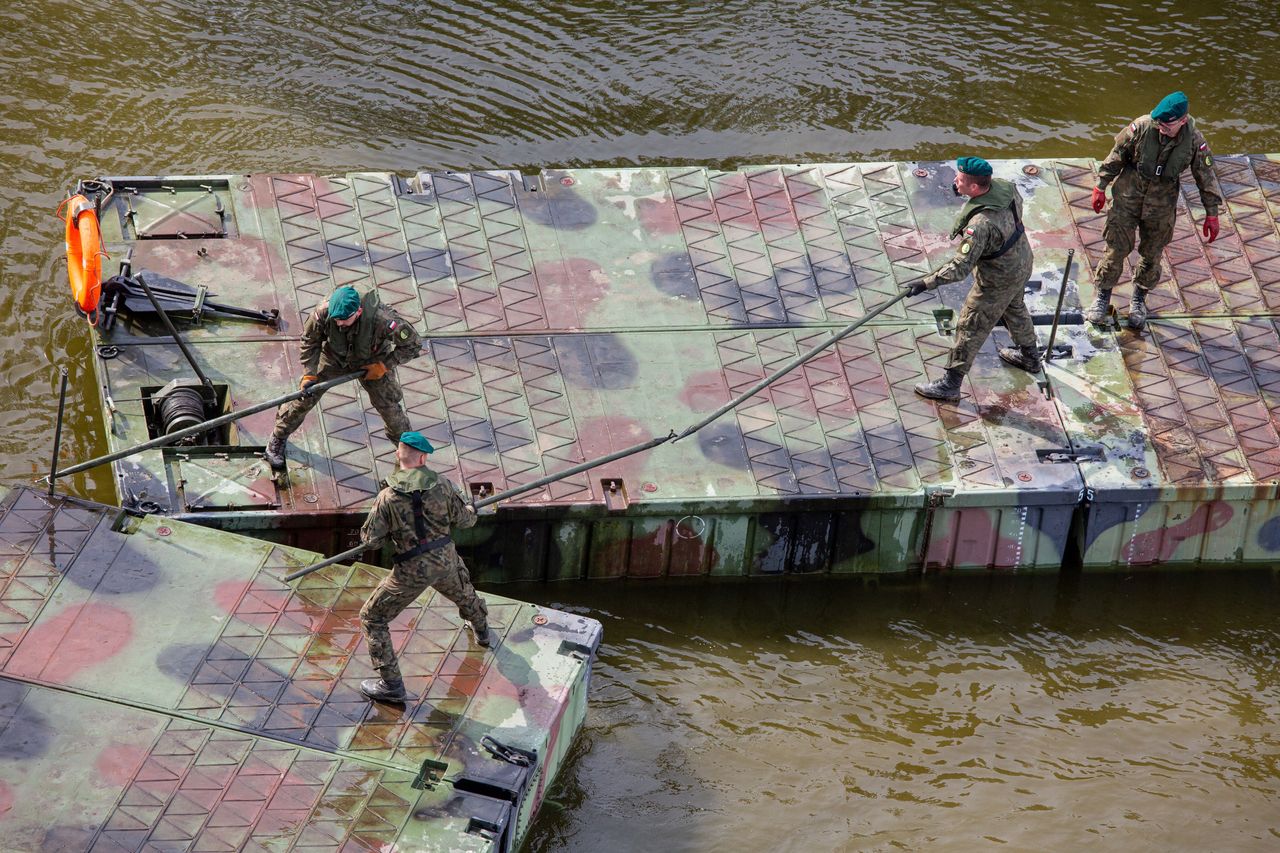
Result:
995,248
1143,170
415,512
350,333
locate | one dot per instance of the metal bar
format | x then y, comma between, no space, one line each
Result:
791,365
182,345
315,388
336,558
57,433
1057,312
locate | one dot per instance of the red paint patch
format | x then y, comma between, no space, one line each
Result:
6,799
655,554
252,602
1157,546
704,391
117,764
228,594
973,540
600,436
77,638
658,217
573,278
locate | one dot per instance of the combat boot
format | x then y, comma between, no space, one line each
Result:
1138,310
274,452
484,636
384,690
1101,307
946,388
1028,358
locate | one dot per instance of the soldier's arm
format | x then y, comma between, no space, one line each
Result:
313,339
1206,178
1120,156
398,340
376,527
976,242
461,513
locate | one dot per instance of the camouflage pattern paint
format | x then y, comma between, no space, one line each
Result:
216,706
575,312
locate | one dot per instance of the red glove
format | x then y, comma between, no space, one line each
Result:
1211,228
1099,200
375,371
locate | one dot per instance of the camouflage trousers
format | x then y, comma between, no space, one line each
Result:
987,303
1154,233
443,570
384,393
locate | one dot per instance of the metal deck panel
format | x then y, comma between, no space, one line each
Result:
157,620
579,311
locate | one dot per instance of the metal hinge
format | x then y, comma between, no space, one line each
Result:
1067,454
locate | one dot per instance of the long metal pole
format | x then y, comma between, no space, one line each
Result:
57,432
315,388
569,472
336,558
1057,312
791,365
177,338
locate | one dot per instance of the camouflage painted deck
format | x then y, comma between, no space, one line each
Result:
162,689
574,313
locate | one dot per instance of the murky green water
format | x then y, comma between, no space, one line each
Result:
1126,712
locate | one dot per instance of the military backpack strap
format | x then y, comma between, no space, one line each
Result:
424,545
1018,231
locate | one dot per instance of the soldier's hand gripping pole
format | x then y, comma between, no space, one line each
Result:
161,441
350,554
909,289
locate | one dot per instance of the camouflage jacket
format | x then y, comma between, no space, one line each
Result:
1145,170
391,517
984,232
379,335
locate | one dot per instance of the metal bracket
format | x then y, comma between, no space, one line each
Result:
429,774
945,320
615,494
1067,454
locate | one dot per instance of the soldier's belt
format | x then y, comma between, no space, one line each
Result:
424,547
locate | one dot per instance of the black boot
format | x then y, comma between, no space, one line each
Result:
1097,312
274,452
384,689
1138,309
483,635
946,388
1028,358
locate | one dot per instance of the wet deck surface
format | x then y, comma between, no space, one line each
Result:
160,684
575,313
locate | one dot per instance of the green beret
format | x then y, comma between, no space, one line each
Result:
417,441
973,166
1173,107
343,303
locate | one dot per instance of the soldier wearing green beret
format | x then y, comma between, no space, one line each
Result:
415,513
994,246
349,333
1143,171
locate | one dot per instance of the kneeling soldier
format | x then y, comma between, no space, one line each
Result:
350,333
995,247
415,512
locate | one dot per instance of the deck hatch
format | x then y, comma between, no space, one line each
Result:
182,209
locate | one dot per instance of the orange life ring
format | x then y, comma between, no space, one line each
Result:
84,255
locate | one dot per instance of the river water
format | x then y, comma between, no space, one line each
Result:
1124,712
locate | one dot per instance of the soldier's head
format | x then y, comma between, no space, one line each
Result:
973,177
412,450
344,306
1171,113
